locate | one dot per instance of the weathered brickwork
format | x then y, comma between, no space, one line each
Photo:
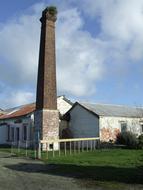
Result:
47,124
50,125
46,84
47,115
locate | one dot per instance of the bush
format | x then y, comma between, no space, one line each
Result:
140,142
128,139
52,10
5,146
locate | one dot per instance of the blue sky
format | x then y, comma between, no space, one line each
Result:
99,47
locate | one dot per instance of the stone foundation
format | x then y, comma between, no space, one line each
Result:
47,126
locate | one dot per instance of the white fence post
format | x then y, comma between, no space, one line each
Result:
76,145
39,150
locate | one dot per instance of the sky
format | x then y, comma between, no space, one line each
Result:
99,50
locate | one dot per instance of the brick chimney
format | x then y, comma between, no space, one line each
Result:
46,114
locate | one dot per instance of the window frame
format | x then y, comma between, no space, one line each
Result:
123,125
24,132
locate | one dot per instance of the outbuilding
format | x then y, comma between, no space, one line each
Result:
103,120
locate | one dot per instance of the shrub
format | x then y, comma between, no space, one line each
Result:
52,10
128,139
140,142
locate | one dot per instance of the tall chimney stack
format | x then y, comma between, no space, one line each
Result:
46,114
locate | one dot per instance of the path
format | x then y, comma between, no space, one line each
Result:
27,174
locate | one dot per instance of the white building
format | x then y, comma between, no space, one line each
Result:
78,121
17,124
104,121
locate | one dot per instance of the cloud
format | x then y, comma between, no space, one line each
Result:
76,55
78,59
83,59
19,49
121,25
11,98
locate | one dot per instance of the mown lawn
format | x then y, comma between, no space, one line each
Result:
119,165
107,167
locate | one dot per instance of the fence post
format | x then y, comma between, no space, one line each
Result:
39,150
35,151
91,145
78,146
74,147
26,148
94,144
53,150
11,148
87,145
59,150
18,147
82,146
47,149
65,148
70,147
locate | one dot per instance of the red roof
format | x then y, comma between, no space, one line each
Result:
19,111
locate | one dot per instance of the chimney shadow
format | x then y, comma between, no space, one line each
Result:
92,173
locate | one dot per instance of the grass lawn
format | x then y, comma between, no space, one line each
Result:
112,168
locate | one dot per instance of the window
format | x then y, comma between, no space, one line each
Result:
8,133
24,133
12,134
141,128
123,127
51,146
17,134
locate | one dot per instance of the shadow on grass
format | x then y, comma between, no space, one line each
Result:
99,173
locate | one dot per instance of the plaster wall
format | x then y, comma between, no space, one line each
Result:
83,123
25,121
3,134
111,126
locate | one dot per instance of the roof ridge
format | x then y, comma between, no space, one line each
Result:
20,106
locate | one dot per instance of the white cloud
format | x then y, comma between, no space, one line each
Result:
78,58
82,59
79,65
121,25
11,98
19,50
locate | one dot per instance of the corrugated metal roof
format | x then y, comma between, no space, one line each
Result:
114,110
18,111
21,110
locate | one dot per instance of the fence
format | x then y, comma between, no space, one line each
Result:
68,146
24,148
60,147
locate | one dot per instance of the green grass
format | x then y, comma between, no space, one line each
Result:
111,157
110,168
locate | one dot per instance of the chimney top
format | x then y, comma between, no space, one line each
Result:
49,13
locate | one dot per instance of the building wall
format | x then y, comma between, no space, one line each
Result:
62,105
25,121
83,123
3,134
111,126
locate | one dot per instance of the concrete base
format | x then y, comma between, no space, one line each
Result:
47,126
